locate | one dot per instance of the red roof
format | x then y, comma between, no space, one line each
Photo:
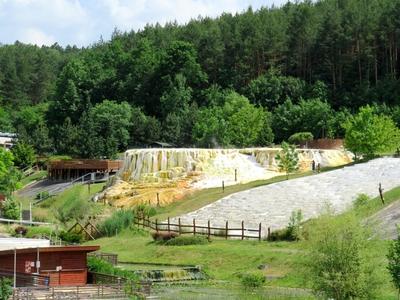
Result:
53,249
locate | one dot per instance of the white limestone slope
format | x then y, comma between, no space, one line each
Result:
273,204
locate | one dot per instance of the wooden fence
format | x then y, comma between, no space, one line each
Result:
227,232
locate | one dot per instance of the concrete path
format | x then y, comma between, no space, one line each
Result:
273,204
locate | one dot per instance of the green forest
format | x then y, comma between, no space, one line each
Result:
249,79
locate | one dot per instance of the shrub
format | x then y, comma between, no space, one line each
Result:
300,137
394,261
20,230
24,155
280,235
339,266
101,266
293,232
187,240
118,221
361,200
253,279
144,210
38,231
11,209
71,237
160,236
5,288
42,195
294,227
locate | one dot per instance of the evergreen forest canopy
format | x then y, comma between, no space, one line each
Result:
248,79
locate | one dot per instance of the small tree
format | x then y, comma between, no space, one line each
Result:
394,262
339,267
288,159
300,137
11,209
24,155
368,133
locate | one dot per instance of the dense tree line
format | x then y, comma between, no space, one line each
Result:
248,79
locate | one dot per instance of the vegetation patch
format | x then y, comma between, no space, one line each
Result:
118,221
184,240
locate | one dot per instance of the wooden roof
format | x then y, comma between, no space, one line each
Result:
89,164
52,249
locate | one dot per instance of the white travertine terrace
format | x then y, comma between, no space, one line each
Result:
210,167
273,204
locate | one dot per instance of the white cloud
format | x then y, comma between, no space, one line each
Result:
36,37
82,22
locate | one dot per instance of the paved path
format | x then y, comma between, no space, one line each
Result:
273,204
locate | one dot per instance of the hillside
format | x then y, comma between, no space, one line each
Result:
301,67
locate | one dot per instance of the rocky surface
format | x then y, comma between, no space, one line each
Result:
273,204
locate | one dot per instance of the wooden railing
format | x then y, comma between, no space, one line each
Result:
227,232
26,279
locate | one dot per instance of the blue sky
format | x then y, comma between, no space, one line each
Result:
82,22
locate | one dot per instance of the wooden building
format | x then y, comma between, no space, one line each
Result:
58,265
66,170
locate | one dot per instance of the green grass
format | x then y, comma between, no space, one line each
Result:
45,211
33,177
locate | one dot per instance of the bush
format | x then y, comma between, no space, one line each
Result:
24,155
339,266
118,221
160,236
361,200
293,232
11,209
5,288
144,210
38,231
42,195
253,279
21,230
71,237
187,240
101,266
300,137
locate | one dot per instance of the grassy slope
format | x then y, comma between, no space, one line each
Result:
223,260
33,177
45,210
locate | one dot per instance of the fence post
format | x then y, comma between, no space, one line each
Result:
194,226
226,230
223,186
269,232
235,175
168,225
259,232
179,225
156,225
209,230
242,230
158,199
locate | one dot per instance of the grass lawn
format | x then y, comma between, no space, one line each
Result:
46,210
39,175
